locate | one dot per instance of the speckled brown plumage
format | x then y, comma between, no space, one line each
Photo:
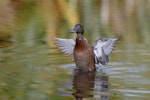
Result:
83,55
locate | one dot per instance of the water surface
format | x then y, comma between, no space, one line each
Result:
32,68
43,73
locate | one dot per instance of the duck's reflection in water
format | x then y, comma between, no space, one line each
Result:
86,83
82,83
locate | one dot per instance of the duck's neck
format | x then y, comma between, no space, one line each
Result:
79,34
80,42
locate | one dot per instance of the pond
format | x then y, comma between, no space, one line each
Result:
42,73
32,67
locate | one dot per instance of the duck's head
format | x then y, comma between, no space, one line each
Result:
78,28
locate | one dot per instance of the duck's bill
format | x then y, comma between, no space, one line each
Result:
73,31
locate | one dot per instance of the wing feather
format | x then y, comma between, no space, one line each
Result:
103,48
65,45
109,45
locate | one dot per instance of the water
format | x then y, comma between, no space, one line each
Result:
43,73
32,68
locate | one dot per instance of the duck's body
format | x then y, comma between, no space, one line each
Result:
86,56
83,55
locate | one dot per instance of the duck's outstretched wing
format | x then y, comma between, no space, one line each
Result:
65,45
103,48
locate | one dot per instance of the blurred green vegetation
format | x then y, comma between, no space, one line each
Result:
31,22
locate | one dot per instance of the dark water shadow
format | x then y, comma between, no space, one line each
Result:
85,84
102,86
